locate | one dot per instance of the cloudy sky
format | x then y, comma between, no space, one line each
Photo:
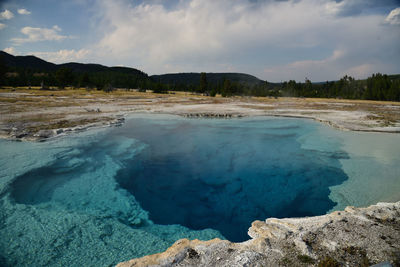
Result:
275,40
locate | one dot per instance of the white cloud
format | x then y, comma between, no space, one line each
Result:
311,69
355,7
10,50
394,17
321,70
2,26
334,8
349,61
23,11
57,28
362,70
63,56
6,14
251,36
205,30
40,34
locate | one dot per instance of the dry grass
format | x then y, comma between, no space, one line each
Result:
48,109
38,118
67,97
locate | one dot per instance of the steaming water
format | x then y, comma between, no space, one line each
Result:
108,195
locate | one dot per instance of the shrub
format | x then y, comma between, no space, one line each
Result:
328,262
305,259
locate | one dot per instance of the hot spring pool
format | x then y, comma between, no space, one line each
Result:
108,195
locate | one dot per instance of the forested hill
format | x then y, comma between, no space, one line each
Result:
192,78
31,62
30,70
37,64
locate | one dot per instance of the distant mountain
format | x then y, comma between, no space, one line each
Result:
81,67
37,64
35,71
193,78
13,63
31,62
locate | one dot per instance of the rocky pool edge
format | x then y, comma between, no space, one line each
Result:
353,237
118,119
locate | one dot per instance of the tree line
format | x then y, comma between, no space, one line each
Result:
376,87
66,77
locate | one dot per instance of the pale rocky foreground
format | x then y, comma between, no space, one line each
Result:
354,237
37,114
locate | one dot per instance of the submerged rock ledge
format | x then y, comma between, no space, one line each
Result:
353,237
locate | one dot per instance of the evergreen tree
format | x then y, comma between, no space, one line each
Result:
213,92
203,83
64,77
3,70
84,80
227,89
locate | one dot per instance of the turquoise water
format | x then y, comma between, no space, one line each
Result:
108,195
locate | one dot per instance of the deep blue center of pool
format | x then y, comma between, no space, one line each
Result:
198,173
224,174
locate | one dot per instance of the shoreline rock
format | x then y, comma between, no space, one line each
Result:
22,134
212,115
353,237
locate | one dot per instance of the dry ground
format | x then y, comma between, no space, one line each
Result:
27,113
